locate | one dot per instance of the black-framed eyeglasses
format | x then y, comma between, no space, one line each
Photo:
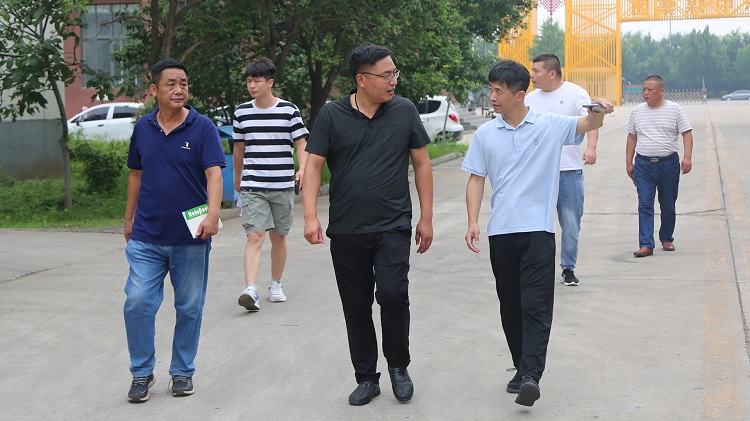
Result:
388,76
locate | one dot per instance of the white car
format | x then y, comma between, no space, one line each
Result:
432,112
113,121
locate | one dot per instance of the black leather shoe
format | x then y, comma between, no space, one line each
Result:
528,393
364,393
403,388
514,384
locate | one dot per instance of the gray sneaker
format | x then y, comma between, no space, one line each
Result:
139,388
182,386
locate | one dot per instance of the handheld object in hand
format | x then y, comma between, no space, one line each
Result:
597,108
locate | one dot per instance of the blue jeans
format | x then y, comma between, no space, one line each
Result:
569,213
649,177
187,266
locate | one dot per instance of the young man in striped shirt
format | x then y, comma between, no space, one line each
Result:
266,130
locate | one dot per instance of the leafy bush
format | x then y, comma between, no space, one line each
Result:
102,162
5,178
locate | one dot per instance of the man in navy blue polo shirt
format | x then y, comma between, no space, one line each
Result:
175,162
367,138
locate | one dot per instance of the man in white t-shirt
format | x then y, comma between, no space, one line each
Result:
653,133
554,95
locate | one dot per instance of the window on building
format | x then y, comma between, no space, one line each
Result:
101,36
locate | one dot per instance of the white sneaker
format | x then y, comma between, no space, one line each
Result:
277,294
249,299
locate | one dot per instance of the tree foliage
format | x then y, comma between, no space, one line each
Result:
551,39
33,61
687,61
310,40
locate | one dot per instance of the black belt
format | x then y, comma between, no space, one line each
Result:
655,159
255,190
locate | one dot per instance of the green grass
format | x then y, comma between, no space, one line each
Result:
38,203
436,149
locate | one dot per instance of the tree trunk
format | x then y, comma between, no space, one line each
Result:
68,199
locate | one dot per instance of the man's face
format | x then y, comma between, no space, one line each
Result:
259,86
172,91
653,92
502,98
541,77
379,81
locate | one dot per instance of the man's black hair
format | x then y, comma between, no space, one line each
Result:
655,78
261,67
511,74
551,62
169,63
365,56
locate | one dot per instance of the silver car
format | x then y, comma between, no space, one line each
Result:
734,96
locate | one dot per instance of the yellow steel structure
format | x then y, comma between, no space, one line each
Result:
593,41
516,45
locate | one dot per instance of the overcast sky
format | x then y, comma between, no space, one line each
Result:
661,29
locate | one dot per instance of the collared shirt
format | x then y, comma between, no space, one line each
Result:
658,129
173,177
522,164
369,163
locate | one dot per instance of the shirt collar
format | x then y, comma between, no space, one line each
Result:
530,118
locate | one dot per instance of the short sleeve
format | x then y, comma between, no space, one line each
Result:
475,162
319,142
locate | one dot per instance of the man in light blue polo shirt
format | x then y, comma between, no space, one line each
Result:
520,153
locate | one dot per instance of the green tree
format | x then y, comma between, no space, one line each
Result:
706,57
32,61
551,39
309,41
742,62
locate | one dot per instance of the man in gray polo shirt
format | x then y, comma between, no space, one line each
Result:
367,138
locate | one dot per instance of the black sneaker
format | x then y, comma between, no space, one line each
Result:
528,393
139,388
182,386
569,278
514,384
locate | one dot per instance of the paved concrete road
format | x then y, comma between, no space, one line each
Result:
657,338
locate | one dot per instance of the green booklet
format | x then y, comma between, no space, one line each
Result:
194,217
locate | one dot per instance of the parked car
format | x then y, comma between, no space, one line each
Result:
113,121
432,112
733,96
221,116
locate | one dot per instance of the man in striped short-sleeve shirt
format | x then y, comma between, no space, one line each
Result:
653,132
266,130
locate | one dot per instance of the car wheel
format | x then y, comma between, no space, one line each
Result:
729,99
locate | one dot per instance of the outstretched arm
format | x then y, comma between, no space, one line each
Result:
594,120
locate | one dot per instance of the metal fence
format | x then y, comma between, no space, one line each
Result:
680,96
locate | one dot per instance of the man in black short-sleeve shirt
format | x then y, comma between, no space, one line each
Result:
367,138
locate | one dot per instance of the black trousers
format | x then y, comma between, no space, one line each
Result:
524,268
363,262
